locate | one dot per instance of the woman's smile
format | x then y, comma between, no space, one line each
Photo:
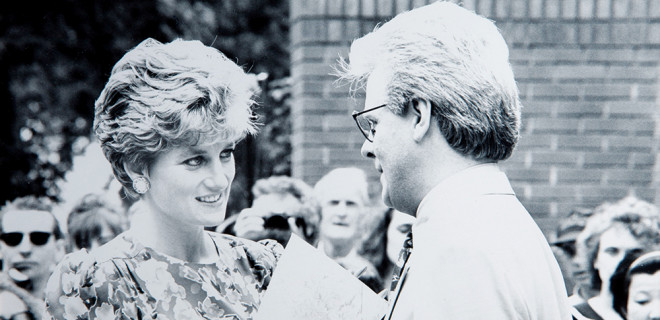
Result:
209,198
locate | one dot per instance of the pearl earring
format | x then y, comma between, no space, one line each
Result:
141,185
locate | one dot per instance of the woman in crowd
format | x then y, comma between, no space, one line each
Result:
635,286
385,241
168,121
614,229
93,222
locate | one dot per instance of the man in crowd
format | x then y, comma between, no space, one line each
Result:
441,109
32,242
343,194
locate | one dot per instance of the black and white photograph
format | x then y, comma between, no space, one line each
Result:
330,159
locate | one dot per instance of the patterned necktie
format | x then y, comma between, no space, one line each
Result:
401,262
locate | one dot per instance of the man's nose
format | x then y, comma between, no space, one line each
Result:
25,247
367,149
341,209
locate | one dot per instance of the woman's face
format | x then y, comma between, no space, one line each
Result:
644,297
190,185
396,233
614,243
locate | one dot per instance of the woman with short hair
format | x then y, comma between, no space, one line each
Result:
168,121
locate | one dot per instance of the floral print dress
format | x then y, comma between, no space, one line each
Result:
125,280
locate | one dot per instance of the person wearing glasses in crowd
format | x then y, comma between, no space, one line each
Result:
168,121
32,245
441,109
32,242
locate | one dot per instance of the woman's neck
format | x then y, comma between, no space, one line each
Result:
182,241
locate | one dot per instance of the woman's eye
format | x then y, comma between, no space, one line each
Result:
227,154
194,162
641,298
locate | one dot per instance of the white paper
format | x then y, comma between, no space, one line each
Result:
307,284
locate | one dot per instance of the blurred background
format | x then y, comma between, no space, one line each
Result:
587,72
55,57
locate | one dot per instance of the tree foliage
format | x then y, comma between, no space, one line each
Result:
56,56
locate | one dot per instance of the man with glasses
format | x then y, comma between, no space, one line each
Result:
441,109
32,242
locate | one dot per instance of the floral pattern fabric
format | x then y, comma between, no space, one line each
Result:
125,280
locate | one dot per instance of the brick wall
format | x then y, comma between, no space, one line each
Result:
588,77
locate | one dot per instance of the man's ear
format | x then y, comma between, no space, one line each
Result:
421,112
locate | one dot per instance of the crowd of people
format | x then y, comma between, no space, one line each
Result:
609,255
596,247
451,241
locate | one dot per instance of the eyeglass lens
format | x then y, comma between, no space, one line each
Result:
366,126
37,238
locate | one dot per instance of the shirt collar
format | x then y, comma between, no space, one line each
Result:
480,179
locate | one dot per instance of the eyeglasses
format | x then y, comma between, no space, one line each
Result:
38,238
366,126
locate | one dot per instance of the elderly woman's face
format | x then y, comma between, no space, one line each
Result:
644,297
190,185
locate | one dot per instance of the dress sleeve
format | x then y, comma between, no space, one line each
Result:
69,292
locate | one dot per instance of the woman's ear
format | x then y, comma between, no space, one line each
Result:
140,180
134,173
421,111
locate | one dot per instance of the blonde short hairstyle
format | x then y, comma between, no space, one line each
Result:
161,96
456,60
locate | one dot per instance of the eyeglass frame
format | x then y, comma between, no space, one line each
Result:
356,114
30,236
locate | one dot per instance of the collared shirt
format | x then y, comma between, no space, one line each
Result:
478,254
